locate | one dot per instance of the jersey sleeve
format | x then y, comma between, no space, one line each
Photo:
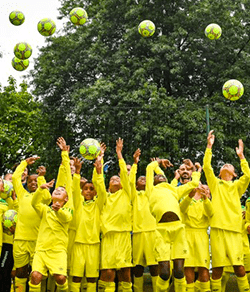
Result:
208,170
36,201
132,181
185,189
76,191
208,208
243,182
124,177
150,177
184,204
101,191
65,214
17,179
174,182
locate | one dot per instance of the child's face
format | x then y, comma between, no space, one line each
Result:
59,197
72,167
227,172
8,177
32,182
141,183
115,184
159,178
88,191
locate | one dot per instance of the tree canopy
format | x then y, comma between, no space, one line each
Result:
104,80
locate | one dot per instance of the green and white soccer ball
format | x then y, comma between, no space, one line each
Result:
22,51
78,16
16,17
233,89
213,31
19,65
90,148
9,221
8,189
146,28
46,26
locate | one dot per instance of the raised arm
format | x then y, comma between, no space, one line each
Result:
123,169
100,185
132,174
41,171
99,158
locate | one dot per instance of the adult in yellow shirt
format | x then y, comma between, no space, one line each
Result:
226,223
170,239
28,221
51,248
116,227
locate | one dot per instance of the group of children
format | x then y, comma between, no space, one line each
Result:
84,235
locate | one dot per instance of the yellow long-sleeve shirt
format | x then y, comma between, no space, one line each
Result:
116,213
143,220
164,197
226,196
28,221
196,213
87,213
53,231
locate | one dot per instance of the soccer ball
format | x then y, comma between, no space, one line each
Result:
146,28
19,65
22,51
213,31
90,148
78,16
16,17
9,221
233,89
46,26
8,188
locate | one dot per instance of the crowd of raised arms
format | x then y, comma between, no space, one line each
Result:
73,234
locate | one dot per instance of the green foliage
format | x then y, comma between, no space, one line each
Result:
103,80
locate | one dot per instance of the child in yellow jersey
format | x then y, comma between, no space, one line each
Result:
52,241
87,241
28,221
170,239
225,235
196,211
116,227
144,229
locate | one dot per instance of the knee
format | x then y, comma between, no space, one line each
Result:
204,275
239,271
60,279
22,272
178,273
108,275
36,278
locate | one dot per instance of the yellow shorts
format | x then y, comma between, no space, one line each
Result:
143,245
116,250
88,266
71,237
226,248
170,241
53,261
198,247
23,252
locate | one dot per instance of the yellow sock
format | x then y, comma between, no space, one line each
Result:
161,285
216,285
91,287
101,285
43,285
34,288
154,279
243,283
84,285
224,280
197,286
190,287
75,287
63,287
20,284
51,284
109,286
138,284
119,288
180,284
126,286
205,286
70,280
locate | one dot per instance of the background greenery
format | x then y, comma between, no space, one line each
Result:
104,80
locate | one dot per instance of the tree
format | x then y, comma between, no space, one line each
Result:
104,80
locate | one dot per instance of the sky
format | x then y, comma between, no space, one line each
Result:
10,35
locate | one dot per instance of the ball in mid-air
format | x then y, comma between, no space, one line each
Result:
78,16
22,51
213,31
9,221
46,26
233,89
19,65
16,17
8,189
146,28
90,148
